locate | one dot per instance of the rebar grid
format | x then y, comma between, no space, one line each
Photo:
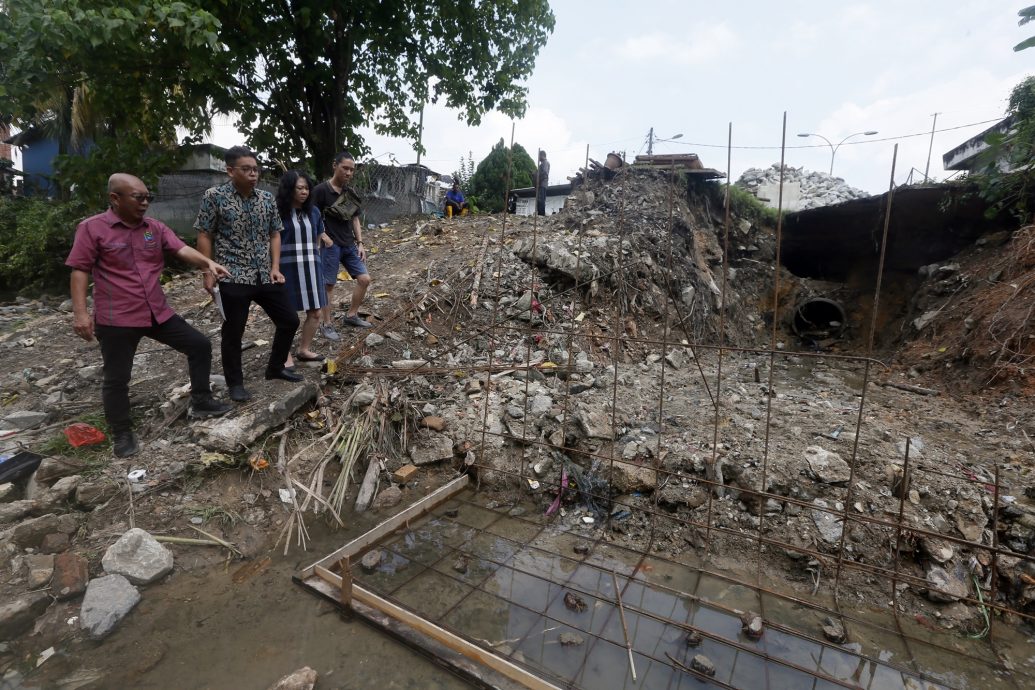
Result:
573,330
603,564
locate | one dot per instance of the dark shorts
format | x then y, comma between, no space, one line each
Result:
337,255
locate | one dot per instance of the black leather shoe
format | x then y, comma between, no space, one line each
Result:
239,394
283,374
209,407
125,444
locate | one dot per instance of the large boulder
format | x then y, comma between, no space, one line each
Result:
138,557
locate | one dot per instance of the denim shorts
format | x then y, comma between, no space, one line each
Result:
336,255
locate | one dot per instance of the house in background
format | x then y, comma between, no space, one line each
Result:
38,152
556,195
966,155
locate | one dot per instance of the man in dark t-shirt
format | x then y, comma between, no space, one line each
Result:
341,222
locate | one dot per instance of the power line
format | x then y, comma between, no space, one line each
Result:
851,143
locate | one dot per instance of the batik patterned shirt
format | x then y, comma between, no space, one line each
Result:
241,228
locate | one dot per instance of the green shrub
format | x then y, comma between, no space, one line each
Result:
744,204
35,238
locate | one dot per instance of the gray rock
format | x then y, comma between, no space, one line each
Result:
951,587
371,560
429,447
15,510
90,373
6,490
18,615
629,477
826,466
409,363
302,679
24,419
828,524
916,447
41,569
59,494
55,467
30,533
108,600
702,664
94,493
570,639
540,405
373,340
594,423
834,631
236,432
138,557
389,497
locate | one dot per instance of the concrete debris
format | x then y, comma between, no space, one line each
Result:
828,524
827,467
234,432
371,560
24,419
702,664
429,447
303,679
18,614
834,631
570,639
108,600
389,497
41,569
138,557
802,189
944,586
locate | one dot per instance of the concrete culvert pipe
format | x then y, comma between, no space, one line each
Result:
819,317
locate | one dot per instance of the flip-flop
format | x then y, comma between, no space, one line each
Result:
302,358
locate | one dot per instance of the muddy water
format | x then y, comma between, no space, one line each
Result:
504,581
201,630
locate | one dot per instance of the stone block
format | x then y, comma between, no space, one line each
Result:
138,557
108,600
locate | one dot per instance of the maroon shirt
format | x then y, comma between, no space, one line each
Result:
126,264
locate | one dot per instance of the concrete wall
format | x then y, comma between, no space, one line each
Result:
526,204
179,195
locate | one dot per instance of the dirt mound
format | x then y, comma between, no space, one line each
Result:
972,318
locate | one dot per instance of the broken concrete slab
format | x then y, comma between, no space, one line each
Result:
594,423
236,432
429,447
108,600
138,557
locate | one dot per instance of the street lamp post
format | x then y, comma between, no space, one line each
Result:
651,139
833,149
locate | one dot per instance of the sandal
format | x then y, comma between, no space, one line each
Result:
302,358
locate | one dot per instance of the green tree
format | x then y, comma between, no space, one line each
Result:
1006,177
105,71
305,76
1026,15
491,179
464,173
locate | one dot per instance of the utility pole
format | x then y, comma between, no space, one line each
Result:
650,142
930,146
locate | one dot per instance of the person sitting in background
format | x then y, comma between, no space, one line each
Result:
455,203
300,258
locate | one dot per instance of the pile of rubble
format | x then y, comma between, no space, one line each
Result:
815,188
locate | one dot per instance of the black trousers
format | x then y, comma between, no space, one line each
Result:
540,201
119,345
274,300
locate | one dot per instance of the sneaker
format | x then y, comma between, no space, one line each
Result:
239,394
125,444
357,321
327,331
209,407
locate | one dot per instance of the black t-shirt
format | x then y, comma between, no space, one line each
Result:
323,196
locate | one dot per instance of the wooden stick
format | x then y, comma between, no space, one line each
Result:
910,388
189,541
425,627
625,630
345,592
478,272
366,489
216,539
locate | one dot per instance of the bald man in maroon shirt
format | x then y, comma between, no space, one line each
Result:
124,251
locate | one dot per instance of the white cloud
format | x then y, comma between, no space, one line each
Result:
704,44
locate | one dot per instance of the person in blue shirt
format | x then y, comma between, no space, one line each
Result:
455,201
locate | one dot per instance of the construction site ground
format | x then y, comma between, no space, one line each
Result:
578,350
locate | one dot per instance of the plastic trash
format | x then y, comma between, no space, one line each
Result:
17,465
80,434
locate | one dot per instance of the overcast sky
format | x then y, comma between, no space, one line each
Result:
612,69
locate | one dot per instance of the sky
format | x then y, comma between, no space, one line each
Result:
613,69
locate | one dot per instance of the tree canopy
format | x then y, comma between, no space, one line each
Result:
489,184
1007,173
301,77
